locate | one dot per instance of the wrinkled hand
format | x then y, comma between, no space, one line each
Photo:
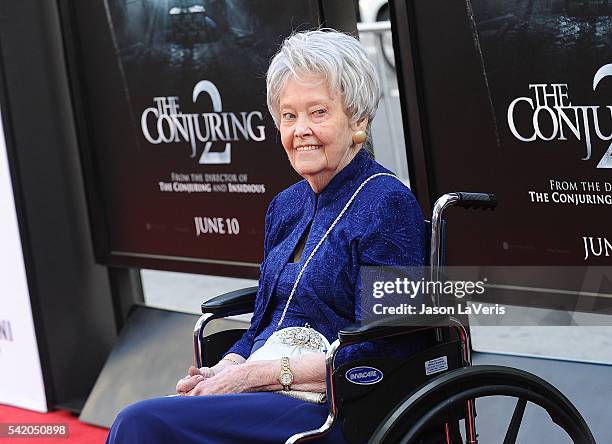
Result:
194,376
232,380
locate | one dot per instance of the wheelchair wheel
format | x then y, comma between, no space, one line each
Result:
452,390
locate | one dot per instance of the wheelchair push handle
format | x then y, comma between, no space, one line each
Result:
483,201
462,199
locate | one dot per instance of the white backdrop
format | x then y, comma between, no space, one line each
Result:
21,382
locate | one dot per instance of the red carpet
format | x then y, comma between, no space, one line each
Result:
80,433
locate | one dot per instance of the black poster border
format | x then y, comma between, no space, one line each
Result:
420,165
96,206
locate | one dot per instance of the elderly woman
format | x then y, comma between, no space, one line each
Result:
322,93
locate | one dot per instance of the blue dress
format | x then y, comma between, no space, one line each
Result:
383,226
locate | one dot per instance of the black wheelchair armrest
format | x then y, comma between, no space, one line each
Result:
233,303
389,327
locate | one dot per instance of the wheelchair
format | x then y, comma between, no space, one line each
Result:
427,406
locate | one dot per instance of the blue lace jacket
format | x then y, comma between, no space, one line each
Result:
383,226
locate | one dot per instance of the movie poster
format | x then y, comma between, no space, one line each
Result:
517,96
184,146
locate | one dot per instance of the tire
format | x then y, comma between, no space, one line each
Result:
454,388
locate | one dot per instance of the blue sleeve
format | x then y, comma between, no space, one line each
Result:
396,234
395,237
244,345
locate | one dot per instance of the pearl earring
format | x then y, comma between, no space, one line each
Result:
359,137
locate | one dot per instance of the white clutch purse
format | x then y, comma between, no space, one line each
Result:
291,341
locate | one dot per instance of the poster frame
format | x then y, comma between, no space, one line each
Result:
412,103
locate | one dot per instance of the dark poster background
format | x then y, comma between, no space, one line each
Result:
464,62
474,58
165,202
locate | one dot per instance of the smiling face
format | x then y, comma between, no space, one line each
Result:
315,130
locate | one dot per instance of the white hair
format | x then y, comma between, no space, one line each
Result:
339,58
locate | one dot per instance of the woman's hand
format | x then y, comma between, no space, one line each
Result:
233,379
194,376
255,376
197,375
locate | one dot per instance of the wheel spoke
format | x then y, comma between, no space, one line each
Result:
515,422
454,432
